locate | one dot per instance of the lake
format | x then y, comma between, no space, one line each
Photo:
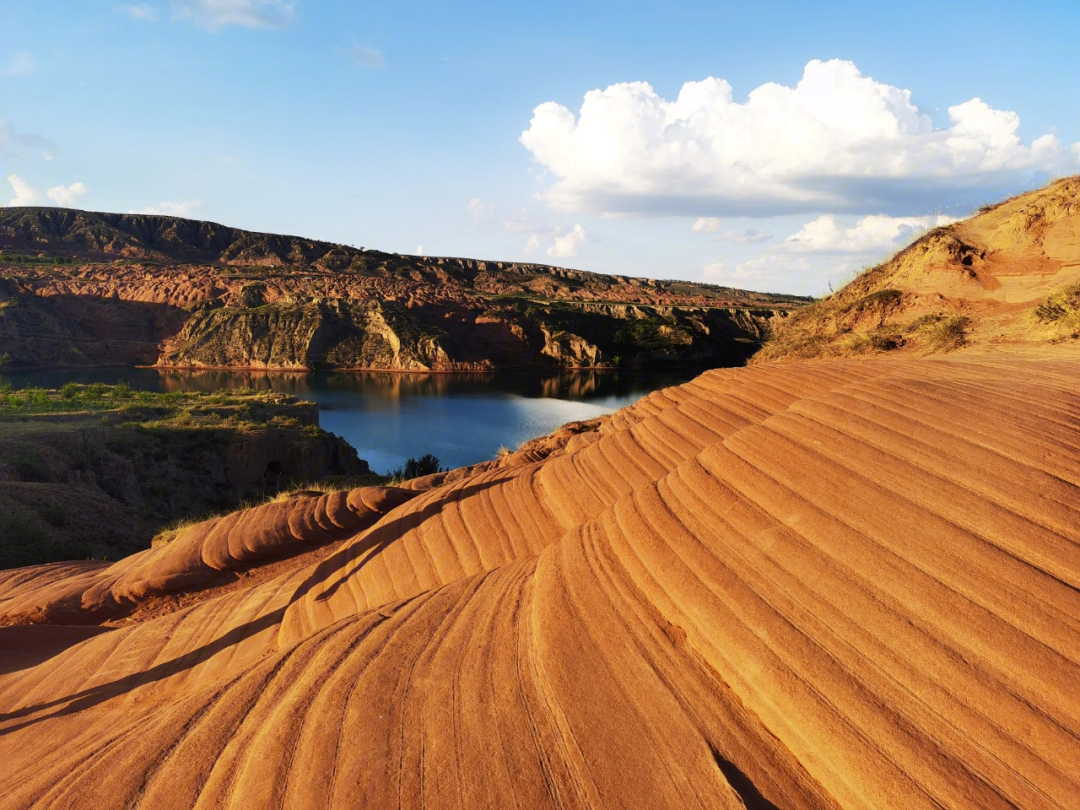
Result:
461,418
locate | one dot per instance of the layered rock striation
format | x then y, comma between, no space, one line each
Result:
95,289
812,584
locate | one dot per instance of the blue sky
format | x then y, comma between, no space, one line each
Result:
524,131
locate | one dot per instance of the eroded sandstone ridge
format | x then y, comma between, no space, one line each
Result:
844,583
78,288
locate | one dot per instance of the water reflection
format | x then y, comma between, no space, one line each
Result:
461,418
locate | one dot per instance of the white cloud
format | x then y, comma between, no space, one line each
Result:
139,11
215,14
873,234
838,140
706,225
365,56
185,209
19,64
567,245
714,272
419,250
533,243
66,195
479,210
24,193
751,236
771,266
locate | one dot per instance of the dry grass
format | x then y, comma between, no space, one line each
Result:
928,334
1061,312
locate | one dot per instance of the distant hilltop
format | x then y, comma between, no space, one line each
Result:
1008,276
81,288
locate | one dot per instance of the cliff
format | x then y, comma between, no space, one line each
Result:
78,288
97,471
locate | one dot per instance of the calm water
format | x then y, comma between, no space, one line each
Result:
461,418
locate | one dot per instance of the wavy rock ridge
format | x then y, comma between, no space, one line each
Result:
853,583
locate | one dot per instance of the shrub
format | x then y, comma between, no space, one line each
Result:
948,333
417,467
69,391
53,515
22,538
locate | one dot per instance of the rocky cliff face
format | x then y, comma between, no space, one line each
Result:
78,288
367,335
77,487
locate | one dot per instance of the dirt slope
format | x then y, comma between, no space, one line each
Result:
811,584
1008,277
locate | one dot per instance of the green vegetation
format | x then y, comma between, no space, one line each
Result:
24,259
224,408
97,470
427,464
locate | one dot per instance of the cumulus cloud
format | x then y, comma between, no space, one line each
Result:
419,250
366,56
873,234
185,209
138,11
706,225
533,242
18,64
24,193
836,141
66,195
479,210
215,14
568,243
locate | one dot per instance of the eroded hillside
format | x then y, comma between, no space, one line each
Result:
1008,277
96,289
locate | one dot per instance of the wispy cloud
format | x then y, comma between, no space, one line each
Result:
139,11
11,140
215,14
751,236
185,209
480,211
18,64
366,56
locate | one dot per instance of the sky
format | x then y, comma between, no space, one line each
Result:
774,146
